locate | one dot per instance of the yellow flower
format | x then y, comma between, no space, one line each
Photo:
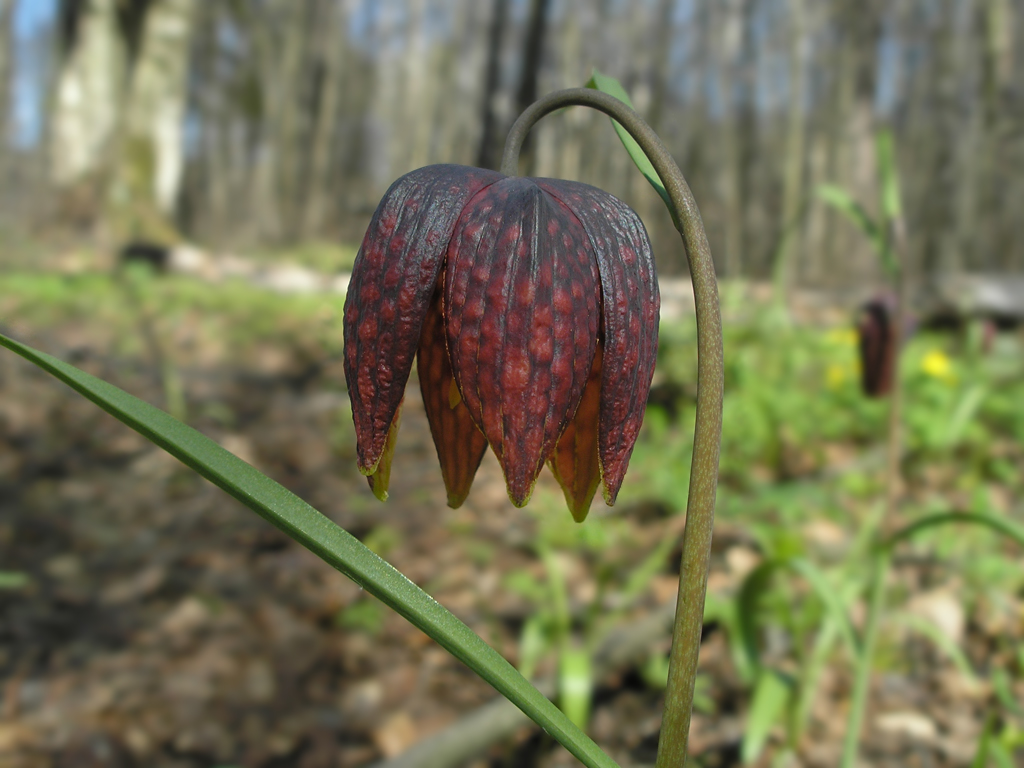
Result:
937,365
836,375
842,337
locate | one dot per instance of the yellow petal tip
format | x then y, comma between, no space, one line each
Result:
454,396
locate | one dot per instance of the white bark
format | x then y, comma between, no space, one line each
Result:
88,95
153,122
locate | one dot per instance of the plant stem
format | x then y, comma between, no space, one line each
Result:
700,508
862,676
896,237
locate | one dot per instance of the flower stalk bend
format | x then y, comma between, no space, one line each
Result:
700,508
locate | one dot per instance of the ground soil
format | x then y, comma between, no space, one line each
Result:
159,623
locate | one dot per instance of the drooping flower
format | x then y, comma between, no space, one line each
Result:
532,308
877,346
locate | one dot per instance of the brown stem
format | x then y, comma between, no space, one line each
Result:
700,508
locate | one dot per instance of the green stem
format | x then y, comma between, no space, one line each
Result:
893,244
862,678
700,508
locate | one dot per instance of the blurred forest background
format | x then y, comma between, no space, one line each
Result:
242,124
146,619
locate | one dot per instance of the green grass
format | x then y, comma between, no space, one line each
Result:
233,314
321,256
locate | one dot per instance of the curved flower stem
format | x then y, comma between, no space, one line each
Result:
700,508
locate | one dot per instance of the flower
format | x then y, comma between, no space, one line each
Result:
877,347
937,365
532,307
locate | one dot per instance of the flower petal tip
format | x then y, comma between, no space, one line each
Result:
609,496
520,499
379,486
456,501
379,476
578,514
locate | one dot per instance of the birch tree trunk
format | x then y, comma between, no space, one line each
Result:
147,174
331,43
277,31
86,106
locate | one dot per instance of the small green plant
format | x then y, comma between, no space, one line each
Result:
882,347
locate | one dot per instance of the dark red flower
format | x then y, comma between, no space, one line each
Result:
532,306
877,346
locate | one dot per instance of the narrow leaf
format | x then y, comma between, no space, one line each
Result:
769,702
830,599
533,644
843,202
575,684
981,756
1007,528
888,175
327,540
611,86
966,409
748,603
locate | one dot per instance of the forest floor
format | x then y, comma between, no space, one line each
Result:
147,619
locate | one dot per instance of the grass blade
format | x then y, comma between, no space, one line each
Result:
1007,528
748,602
842,201
829,596
769,703
326,539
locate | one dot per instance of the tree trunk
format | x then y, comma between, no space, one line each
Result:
735,131
278,32
331,43
6,46
489,152
86,106
661,64
421,84
533,49
147,173
458,136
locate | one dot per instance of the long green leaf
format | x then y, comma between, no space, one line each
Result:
843,202
771,694
748,602
981,756
1007,528
327,540
575,684
611,86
